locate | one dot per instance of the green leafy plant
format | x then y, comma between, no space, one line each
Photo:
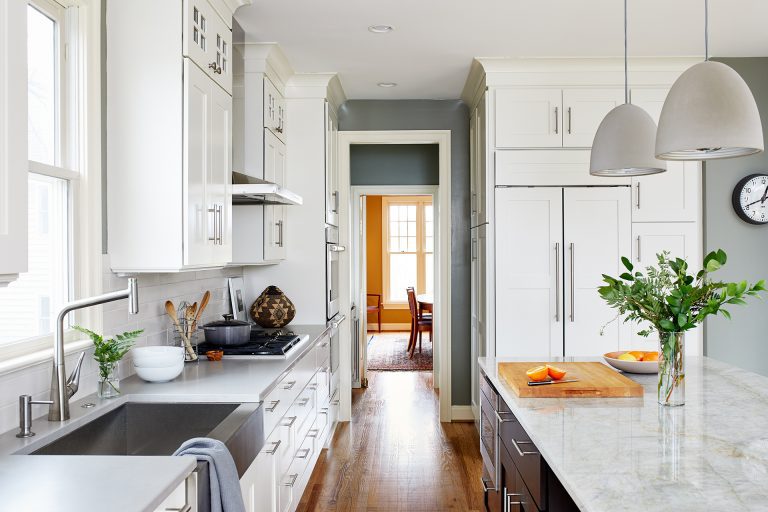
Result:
670,299
110,351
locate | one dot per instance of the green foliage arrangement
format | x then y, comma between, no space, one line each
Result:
110,351
670,299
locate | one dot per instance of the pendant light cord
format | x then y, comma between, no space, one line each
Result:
626,72
706,30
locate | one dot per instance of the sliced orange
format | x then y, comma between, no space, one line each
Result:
555,372
638,355
538,373
651,356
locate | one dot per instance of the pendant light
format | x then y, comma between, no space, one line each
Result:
624,142
709,113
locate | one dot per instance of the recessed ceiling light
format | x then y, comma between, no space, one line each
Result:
380,29
387,84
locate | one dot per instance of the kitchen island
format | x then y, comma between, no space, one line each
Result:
631,454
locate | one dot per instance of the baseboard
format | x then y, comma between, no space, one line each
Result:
462,413
372,327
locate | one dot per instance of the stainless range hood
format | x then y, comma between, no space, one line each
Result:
249,190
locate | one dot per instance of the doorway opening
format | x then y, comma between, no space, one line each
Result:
399,252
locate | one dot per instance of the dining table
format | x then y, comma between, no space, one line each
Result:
426,302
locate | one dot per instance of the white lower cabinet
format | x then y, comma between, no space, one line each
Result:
298,420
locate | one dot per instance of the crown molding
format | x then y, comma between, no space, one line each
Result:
317,85
267,58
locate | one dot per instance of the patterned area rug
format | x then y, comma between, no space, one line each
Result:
387,352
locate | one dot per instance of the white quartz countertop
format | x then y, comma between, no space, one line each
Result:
229,380
631,454
44,483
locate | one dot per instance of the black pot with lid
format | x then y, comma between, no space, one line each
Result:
227,332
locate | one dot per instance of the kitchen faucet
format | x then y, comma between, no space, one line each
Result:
62,389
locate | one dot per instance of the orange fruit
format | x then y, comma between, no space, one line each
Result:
538,373
638,355
626,356
555,372
651,356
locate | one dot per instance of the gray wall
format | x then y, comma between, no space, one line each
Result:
394,164
451,115
744,340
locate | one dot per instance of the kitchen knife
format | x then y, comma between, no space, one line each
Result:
551,382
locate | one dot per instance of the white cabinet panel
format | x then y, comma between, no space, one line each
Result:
584,110
200,217
274,109
13,140
274,215
219,179
529,227
597,231
331,168
528,118
672,196
207,40
681,240
546,167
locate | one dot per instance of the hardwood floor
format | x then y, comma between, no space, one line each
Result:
396,456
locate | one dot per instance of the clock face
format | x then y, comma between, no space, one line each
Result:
750,199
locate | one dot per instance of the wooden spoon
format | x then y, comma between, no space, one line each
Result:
203,304
189,317
171,312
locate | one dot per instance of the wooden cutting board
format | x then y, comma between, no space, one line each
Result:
595,380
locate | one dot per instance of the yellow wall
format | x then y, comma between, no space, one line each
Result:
373,264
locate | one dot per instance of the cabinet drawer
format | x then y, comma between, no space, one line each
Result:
319,429
323,352
515,494
487,389
304,409
301,459
524,454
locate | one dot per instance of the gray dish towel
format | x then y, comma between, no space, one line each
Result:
225,484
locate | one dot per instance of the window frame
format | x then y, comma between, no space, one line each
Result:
420,201
77,160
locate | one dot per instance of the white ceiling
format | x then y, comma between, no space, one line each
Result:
430,51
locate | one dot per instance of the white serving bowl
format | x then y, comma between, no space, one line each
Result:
157,356
160,374
630,366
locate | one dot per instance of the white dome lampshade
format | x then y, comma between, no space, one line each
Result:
624,144
709,113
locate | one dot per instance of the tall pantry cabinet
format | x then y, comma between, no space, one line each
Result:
551,229
169,135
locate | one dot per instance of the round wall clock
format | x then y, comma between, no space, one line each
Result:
750,199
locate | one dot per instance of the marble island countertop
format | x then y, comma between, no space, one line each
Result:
631,454
226,381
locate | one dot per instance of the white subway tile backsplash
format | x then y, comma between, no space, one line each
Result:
154,290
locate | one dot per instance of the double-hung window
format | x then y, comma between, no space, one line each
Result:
28,306
408,242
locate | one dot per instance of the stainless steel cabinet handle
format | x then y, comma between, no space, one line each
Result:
502,420
221,224
573,282
570,117
336,323
486,487
557,281
290,421
557,120
279,233
303,402
312,387
292,480
323,345
214,210
508,501
337,248
186,508
289,385
335,402
274,406
474,249
324,410
638,248
275,446
306,453
637,197
313,433
335,196
516,444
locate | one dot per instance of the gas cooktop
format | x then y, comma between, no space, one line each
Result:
263,343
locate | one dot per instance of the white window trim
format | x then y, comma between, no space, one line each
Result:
386,201
82,114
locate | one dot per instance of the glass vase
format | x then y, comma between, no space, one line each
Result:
109,382
671,390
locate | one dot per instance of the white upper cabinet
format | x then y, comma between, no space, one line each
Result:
274,109
479,171
13,141
207,40
672,196
169,157
551,118
528,118
274,215
331,168
583,111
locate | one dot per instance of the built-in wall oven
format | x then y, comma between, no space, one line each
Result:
332,250
489,444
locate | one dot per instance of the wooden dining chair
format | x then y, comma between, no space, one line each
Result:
419,322
375,307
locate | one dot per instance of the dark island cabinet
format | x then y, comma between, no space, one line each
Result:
526,483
